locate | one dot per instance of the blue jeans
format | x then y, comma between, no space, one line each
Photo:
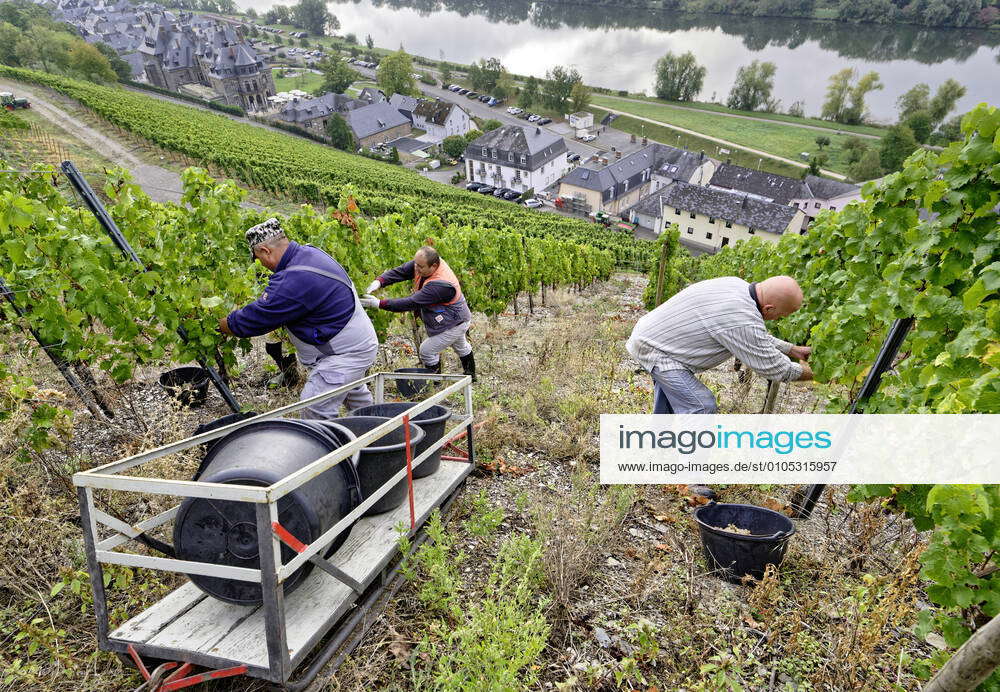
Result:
679,391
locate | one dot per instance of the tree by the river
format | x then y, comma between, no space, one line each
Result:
529,93
579,97
395,74
897,144
868,167
923,114
679,77
337,75
752,90
314,17
558,86
845,97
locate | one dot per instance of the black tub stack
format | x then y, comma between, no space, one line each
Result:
263,453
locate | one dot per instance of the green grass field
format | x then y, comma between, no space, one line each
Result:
775,138
873,130
306,81
665,135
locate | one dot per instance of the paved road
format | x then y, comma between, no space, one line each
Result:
819,128
159,183
727,143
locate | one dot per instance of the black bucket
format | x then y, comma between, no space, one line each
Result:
737,555
431,421
412,387
188,385
224,532
338,433
382,459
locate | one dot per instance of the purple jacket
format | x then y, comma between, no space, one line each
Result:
314,308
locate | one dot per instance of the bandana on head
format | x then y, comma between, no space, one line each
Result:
263,232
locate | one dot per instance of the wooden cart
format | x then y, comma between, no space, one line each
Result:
273,640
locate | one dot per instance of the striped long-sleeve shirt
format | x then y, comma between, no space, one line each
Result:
706,324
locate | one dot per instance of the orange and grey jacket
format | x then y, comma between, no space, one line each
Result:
438,297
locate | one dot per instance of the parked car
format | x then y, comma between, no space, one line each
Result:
534,118
463,92
544,121
512,195
524,115
493,101
533,203
485,97
573,157
486,190
472,95
588,138
514,110
501,191
453,87
474,186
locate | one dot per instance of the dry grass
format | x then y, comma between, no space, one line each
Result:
633,605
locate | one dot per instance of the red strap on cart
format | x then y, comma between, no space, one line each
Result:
409,470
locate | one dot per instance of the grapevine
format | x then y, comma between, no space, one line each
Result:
284,164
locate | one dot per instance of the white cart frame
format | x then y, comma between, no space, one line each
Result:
368,552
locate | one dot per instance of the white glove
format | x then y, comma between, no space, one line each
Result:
373,286
368,301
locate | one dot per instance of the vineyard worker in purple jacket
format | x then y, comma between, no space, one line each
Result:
312,296
437,296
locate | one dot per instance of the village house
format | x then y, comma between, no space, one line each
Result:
439,119
515,157
822,193
621,184
709,219
810,195
377,123
312,114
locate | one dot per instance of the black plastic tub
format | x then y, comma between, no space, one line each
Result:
225,532
412,387
340,434
188,385
382,459
431,421
215,425
737,555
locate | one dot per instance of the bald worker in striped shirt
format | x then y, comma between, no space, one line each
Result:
706,324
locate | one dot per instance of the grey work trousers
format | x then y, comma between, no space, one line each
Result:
331,372
679,391
432,346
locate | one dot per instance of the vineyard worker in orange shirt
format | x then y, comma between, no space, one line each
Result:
437,296
312,296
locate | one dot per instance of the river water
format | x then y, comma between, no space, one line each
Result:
618,47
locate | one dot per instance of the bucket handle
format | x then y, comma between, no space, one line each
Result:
780,534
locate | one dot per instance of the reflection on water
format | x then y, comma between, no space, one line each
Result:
866,41
617,47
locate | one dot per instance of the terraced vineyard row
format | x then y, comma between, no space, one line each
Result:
278,162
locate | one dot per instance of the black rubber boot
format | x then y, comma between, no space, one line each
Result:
469,365
434,368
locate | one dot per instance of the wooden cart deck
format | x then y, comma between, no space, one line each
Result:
192,626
